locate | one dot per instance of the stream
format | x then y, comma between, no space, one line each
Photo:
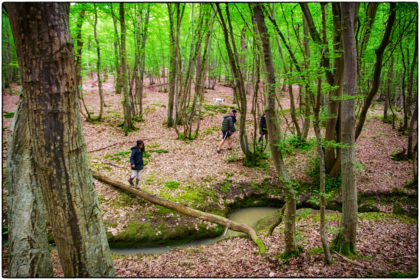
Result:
249,216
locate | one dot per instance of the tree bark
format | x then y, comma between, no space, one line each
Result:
184,209
345,241
368,23
46,60
28,244
274,133
377,69
117,54
98,64
79,48
412,130
239,86
316,104
127,125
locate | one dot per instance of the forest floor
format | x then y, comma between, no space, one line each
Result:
387,244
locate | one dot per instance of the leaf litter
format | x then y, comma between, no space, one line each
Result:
384,246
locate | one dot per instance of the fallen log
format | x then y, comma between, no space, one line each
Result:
184,209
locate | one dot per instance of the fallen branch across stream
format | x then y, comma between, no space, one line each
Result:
184,209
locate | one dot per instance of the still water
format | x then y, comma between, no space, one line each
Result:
248,216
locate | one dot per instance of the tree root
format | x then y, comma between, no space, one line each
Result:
185,210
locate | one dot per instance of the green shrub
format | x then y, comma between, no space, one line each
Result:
331,183
292,144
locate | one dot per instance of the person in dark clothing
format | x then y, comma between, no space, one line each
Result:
136,161
263,127
228,128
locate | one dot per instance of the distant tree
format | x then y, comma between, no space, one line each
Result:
61,167
98,64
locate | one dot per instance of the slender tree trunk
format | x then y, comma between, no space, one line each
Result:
412,130
143,61
239,87
307,56
29,255
79,47
345,241
117,53
367,30
98,65
316,103
274,133
377,69
46,58
388,89
127,125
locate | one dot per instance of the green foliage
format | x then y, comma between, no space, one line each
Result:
316,250
396,274
399,156
216,108
172,184
117,156
8,115
331,183
360,166
292,144
232,158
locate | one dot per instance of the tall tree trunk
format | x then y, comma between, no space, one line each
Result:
79,48
98,64
308,93
61,166
316,104
239,87
28,245
173,63
367,30
412,130
6,55
345,241
139,88
388,89
274,133
117,53
377,69
127,125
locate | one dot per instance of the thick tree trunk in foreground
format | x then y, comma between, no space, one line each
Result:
184,209
28,245
345,241
274,133
46,60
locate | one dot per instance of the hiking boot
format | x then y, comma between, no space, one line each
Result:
230,149
219,151
131,181
137,187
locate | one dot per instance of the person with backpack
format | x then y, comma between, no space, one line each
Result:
136,161
228,128
263,127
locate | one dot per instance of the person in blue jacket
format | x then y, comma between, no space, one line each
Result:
136,161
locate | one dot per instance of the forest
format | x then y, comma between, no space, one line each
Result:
266,139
